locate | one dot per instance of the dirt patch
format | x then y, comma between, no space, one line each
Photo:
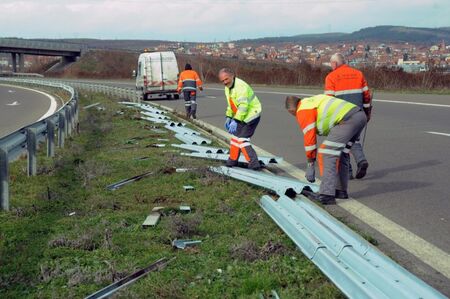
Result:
245,251
184,226
248,250
87,241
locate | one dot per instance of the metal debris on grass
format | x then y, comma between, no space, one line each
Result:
182,244
119,184
184,208
188,188
151,219
112,288
90,106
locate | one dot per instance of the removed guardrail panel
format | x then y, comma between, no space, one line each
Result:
224,157
369,252
192,139
280,185
202,149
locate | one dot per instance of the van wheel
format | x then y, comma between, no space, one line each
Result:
169,96
144,97
176,96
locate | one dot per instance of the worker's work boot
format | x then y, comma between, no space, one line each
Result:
194,115
327,199
362,169
231,163
341,194
254,165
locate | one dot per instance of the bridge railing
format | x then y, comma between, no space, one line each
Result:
27,139
33,44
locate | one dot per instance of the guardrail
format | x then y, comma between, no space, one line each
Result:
27,139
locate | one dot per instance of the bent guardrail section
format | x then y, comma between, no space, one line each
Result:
27,139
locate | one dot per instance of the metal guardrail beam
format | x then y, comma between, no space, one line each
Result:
28,138
350,268
224,157
278,184
202,149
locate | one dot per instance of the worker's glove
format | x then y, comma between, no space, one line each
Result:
227,123
232,128
310,172
201,88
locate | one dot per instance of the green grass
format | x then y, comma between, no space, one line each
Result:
45,253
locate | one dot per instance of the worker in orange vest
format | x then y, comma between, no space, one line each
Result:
349,84
188,83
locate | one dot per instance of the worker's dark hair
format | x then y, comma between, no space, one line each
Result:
292,102
188,66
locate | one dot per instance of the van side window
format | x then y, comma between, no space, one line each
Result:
139,69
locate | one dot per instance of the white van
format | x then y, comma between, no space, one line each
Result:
157,75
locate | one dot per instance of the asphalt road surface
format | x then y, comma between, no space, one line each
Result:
20,107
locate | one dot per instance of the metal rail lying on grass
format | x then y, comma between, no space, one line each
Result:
224,157
356,267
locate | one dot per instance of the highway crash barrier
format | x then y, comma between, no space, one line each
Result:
26,140
356,267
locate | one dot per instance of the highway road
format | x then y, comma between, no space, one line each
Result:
22,106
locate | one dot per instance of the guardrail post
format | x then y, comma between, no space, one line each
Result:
31,148
68,110
61,128
4,180
50,138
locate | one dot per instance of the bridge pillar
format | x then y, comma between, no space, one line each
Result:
21,63
14,62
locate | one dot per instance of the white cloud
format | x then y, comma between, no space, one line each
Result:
205,20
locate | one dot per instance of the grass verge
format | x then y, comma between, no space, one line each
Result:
67,236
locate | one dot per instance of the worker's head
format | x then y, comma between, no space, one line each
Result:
226,76
291,104
188,66
337,60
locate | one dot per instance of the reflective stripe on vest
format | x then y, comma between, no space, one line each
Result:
330,111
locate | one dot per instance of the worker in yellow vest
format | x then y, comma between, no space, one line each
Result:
242,117
341,122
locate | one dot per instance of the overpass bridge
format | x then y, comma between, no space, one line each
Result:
20,47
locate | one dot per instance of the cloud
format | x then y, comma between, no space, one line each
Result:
206,20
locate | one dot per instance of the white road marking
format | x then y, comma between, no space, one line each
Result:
211,97
53,104
11,91
15,103
413,103
374,100
438,133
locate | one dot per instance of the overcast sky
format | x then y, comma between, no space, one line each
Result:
210,20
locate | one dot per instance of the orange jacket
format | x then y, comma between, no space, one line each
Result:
189,81
307,121
350,85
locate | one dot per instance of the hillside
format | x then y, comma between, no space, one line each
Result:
383,34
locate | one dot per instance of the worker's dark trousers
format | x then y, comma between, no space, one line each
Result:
241,142
190,103
333,154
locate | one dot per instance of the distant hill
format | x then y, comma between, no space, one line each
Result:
383,34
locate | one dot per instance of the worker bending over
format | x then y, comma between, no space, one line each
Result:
342,123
